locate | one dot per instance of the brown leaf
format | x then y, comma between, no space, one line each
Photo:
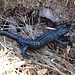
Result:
68,49
66,52
64,55
42,71
30,71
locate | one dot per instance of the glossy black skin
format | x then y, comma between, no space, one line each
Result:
40,41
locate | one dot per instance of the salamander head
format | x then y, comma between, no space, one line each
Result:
63,29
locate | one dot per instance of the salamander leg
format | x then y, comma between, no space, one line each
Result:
61,42
25,54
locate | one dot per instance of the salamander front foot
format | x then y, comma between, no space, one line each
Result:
25,54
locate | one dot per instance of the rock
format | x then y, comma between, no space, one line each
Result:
47,13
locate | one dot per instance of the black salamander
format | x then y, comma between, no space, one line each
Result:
40,41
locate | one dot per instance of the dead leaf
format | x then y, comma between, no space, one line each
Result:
66,52
64,55
30,71
12,29
68,49
42,71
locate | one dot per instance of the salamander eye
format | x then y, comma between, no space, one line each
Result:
57,34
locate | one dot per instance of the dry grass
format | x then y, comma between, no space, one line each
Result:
46,59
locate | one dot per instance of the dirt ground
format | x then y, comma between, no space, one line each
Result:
30,19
